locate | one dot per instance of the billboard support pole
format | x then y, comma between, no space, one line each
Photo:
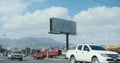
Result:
67,41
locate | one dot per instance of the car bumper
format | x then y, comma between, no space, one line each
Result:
38,57
16,57
109,60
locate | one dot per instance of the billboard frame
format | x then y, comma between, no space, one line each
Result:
64,23
62,26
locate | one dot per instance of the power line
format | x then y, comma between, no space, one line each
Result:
108,3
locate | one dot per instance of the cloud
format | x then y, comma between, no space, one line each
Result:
98,24
12,7
98,16
36,23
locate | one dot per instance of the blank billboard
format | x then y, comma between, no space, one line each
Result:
61,26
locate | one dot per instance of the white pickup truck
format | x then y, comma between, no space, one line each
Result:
93,54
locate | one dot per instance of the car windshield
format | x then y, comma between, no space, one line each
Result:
37,54
16,52
94,47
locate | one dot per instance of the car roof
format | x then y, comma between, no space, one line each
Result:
88,44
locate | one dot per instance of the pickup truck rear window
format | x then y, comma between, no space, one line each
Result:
93,47
80,47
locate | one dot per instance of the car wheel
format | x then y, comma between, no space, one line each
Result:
95,60
11,58
42,58
73,60
21,59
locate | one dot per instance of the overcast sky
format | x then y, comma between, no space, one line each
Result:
98,21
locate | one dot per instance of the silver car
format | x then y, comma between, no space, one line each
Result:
16,55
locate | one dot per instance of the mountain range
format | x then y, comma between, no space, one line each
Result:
30,42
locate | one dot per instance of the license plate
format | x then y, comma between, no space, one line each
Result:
114,59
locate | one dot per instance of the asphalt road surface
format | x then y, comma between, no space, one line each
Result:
30,60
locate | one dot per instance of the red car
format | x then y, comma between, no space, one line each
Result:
38,56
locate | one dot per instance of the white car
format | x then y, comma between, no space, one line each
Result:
15,55
93,54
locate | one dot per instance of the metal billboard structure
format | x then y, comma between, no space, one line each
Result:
62,26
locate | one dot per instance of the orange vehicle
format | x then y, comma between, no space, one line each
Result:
113,48
50,53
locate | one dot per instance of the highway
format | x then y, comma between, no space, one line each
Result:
31,60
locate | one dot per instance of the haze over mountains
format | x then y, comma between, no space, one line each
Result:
30,42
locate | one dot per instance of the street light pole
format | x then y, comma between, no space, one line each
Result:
1,44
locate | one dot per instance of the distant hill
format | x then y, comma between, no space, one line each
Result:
31,42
